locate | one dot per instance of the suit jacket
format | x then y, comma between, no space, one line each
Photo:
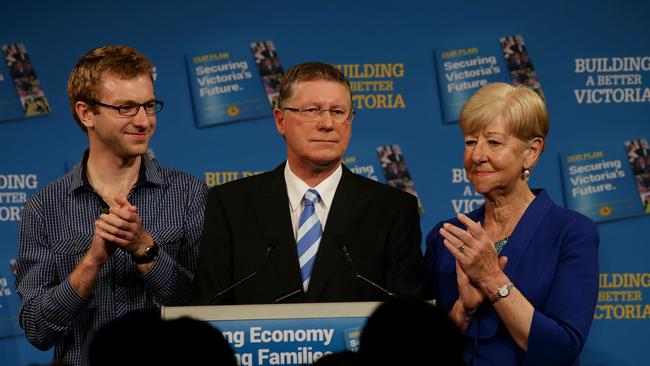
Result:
248,229
553,260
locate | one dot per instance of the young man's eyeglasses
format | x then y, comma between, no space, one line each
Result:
131,109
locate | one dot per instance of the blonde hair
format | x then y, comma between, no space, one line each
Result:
85,79
522,109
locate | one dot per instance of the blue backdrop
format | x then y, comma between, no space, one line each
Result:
361,33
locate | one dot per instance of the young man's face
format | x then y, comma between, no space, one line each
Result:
123,136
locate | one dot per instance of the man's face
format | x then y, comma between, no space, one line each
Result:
315,145
122,136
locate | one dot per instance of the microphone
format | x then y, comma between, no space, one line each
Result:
269,249
287,295
347,256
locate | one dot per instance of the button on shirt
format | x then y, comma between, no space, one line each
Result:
56,231
296,189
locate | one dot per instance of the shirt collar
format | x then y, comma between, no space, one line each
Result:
148,174
79,174
296,188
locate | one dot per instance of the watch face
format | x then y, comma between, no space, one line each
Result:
151,252
504,291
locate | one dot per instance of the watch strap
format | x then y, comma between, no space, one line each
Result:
502,292
150,254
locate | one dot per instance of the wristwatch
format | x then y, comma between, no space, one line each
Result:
502,292
150,254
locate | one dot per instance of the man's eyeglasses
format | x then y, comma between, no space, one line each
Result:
314,114
131,109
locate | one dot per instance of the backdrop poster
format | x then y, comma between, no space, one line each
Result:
20,77
234,83
600,183
462,71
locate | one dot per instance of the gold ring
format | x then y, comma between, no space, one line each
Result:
461,248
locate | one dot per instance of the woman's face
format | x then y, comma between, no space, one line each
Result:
494,159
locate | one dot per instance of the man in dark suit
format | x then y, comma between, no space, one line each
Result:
306,229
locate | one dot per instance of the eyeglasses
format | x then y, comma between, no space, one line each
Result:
131,109
314,114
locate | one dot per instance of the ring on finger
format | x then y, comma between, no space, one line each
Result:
461,248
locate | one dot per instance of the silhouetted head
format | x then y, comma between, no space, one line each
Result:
409,331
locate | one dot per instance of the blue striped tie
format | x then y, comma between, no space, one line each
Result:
310,232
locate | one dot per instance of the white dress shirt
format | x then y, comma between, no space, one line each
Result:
296,189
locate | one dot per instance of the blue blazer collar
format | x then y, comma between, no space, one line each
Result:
486,322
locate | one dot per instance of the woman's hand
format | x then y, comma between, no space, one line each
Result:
475,255
470,296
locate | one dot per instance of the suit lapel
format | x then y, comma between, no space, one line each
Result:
525,230
518,242
272,211
347,206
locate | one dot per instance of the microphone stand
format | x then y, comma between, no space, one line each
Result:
347,256
269,249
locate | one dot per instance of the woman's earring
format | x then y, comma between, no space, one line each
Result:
526,174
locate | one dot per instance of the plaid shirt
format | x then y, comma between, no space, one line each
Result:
56,231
